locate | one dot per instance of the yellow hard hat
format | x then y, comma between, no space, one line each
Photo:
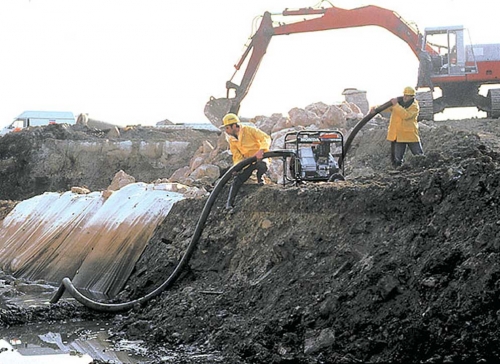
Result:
409,91
230,119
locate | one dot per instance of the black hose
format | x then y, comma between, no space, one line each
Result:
66,283
358,127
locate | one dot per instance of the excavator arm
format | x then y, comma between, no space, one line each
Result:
318,19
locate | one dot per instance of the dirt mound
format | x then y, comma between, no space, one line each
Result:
388,266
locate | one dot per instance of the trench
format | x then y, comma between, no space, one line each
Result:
68,286
21,259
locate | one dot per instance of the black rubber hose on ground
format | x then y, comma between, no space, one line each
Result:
358,127
66,283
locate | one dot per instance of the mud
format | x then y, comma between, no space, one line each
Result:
391,265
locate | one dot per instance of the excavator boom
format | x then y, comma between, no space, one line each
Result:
338,18
457,71
319,19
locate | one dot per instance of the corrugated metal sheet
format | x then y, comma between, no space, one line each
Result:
94,241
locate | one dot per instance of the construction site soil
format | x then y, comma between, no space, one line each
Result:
398,266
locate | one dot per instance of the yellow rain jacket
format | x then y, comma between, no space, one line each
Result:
250,140
403,125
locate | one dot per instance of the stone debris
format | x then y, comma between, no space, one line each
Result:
80,190
206,165
121,179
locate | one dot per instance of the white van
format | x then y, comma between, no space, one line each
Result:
38,118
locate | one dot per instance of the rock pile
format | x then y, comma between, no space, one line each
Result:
210,161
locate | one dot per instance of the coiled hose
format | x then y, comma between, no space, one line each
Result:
66,283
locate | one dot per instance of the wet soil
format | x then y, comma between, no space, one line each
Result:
397,266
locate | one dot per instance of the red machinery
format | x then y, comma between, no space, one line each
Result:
445,61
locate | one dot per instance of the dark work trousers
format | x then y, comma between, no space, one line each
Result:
241,178
398,151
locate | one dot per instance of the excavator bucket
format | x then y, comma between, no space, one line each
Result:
215,109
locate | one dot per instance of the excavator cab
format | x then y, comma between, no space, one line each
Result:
451,56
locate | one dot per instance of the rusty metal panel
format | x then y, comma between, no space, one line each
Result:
90,239
130,223
41,237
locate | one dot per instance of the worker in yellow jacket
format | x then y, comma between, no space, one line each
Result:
245,141
403,127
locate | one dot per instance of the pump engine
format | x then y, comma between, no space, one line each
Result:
316,155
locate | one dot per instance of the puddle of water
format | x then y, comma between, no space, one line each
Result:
73,341
23,294
11,355
68,343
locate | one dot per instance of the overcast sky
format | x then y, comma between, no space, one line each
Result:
142,61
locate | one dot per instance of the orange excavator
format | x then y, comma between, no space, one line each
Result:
445,61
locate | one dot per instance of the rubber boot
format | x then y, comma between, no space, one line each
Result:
233,191
230,199
261,170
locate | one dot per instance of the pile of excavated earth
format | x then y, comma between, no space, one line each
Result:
390,265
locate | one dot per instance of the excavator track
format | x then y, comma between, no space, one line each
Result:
426,103
494,97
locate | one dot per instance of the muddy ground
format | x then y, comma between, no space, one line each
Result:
397,266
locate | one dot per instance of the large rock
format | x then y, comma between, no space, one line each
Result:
180,174
301,117
121,179
206,172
